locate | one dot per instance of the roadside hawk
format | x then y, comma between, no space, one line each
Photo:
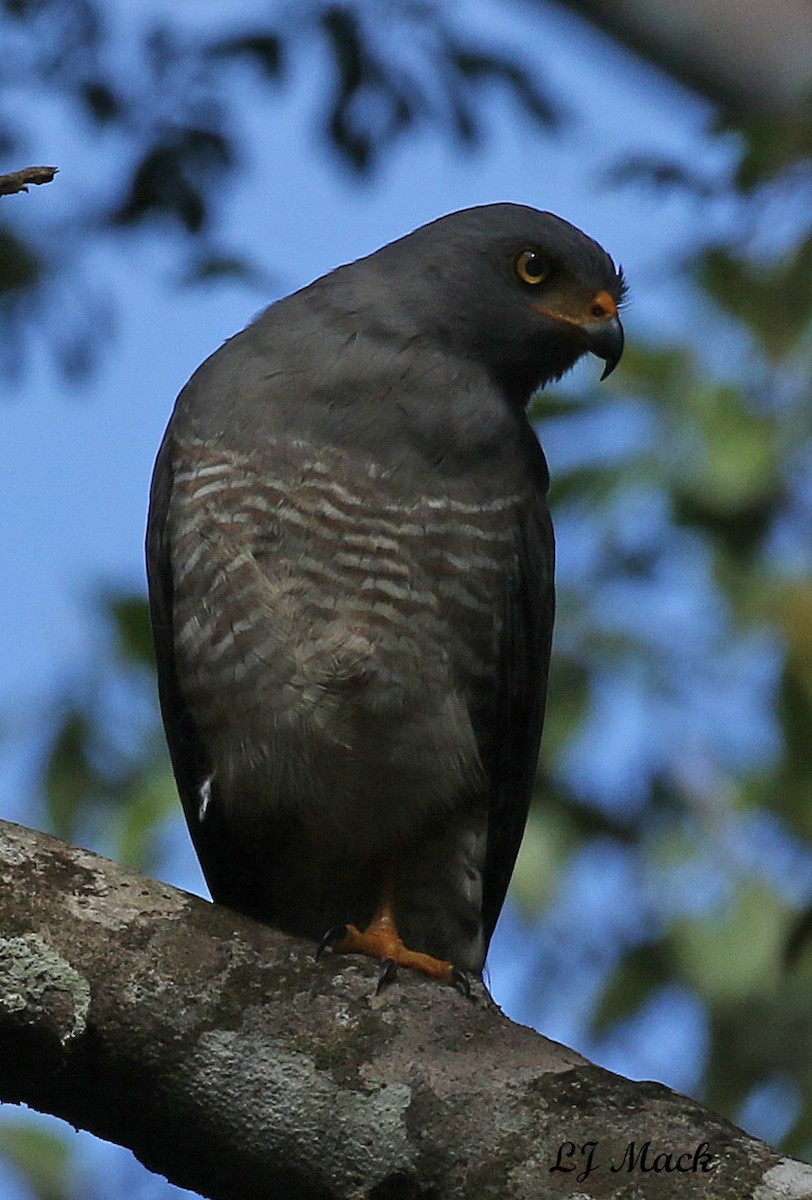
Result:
350,564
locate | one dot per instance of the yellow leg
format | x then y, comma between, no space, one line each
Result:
382,941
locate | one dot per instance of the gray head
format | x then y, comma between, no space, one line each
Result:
521,291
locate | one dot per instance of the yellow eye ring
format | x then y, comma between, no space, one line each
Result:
530,267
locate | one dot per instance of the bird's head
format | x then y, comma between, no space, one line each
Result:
521,291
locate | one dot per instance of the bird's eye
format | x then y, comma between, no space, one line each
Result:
530,266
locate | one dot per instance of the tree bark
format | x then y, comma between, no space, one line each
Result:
230,1061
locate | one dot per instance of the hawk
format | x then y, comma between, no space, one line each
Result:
350,562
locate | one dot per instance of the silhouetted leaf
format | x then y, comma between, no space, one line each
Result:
664,174
102,101
20,268
172,176
266,49
488,67
212,267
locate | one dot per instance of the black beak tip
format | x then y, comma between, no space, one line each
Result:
606,341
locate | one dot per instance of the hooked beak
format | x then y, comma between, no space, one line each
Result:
605,339
600,328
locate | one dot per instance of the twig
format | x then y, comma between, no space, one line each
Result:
18,181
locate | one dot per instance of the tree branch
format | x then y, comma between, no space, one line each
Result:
18,181
230,1061
725,50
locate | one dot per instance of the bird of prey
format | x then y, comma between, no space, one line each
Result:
350,562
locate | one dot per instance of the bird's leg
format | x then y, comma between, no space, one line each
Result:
381,940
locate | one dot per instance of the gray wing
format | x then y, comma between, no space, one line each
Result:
186,749
516,721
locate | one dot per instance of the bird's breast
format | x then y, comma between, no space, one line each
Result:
335,620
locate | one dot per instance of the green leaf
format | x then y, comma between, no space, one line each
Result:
640,973
569,702
736,953
42,1157
145,805
773,143
543,852
741,528
728,478
662,372
798,1141
130,616
70,777
774,302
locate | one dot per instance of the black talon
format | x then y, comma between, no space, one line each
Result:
386,973
336,934
462,981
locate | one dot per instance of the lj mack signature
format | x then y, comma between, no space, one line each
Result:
583,1158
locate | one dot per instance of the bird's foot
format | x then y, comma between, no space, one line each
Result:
380,940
